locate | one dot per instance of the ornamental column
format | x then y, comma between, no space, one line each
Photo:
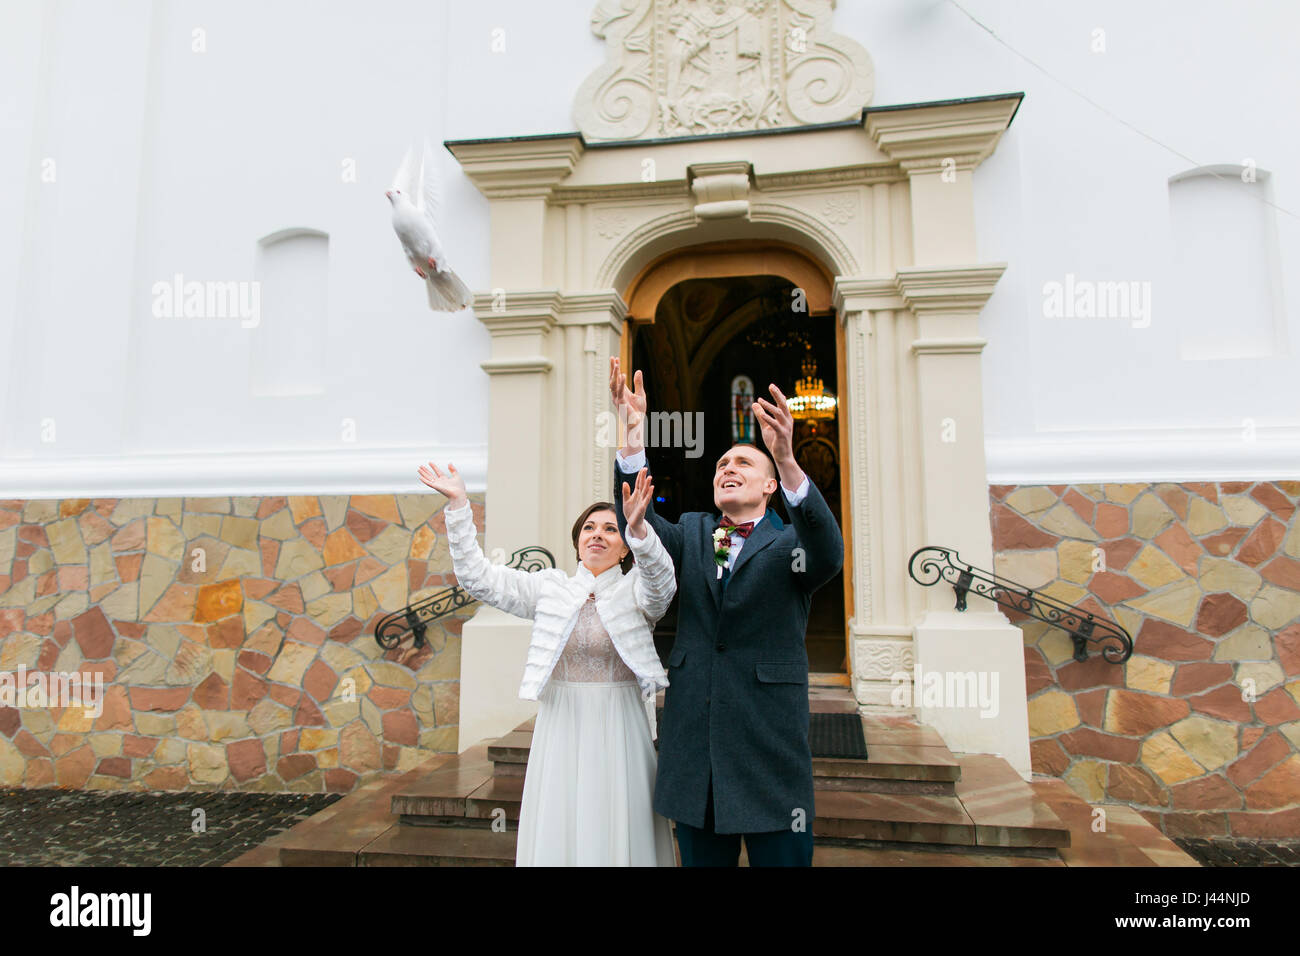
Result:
879,461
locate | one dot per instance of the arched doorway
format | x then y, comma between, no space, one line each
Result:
709,326
873,220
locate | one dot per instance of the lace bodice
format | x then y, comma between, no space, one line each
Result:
589,654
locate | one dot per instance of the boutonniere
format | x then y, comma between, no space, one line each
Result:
721,549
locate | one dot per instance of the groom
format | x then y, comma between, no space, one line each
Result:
733,746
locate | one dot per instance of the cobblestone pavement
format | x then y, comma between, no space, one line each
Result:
1226,852
51,827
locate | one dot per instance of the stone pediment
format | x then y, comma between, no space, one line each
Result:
696,67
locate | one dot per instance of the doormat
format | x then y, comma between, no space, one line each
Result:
829,735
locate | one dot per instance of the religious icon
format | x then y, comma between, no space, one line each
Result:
742,412
719,68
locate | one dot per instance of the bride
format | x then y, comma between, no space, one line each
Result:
589,785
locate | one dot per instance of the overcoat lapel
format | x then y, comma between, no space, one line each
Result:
715,582
763,534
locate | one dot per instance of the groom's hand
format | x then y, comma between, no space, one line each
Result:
777,425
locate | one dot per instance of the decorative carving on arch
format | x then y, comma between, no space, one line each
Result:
836,250
779,224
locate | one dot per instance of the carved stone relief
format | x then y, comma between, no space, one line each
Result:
693,67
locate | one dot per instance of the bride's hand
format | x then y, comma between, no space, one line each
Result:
449,484
636,503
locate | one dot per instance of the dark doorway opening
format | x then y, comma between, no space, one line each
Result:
709,336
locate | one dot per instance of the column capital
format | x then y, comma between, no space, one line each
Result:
604,307
949,288
518,167
519,322
959,134
865,294
515,312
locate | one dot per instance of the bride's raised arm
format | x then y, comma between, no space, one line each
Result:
509,589
657,581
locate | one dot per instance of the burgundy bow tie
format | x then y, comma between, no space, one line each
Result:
732,528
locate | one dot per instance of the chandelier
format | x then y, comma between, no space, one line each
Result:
811,401
776,327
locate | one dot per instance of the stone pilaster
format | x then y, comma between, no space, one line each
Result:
949,389
870,397
939,147
518,394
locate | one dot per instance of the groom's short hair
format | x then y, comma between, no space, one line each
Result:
771,462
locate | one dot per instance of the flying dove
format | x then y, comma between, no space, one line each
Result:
414,197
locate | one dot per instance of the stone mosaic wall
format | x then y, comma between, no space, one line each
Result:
227,632
1200,729
234,636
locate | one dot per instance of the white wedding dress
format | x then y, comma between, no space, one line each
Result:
589,789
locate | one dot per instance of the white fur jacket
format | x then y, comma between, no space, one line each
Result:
628,604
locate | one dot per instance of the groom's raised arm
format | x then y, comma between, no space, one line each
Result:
670,533
820,538
820,552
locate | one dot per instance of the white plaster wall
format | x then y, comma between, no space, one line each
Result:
174,161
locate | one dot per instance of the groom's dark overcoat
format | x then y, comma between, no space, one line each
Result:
737,703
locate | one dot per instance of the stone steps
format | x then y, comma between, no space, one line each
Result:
912,803
336,835
1128,839
903,758
452,846
362,830
912,792
440,846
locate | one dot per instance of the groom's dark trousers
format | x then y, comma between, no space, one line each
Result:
704,847
734,759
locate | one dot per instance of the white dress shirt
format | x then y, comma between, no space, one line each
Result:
636,462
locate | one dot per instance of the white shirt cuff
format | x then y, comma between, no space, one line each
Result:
799,494
630,466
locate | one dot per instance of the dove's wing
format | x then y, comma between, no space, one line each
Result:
405,180
430,197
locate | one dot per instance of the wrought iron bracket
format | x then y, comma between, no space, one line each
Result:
414,619
930,565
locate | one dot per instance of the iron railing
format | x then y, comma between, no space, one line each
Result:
1084,627
415,618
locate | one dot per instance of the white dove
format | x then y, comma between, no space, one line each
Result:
413,223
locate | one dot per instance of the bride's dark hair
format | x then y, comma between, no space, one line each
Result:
627,561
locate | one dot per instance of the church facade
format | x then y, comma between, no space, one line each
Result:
981,301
